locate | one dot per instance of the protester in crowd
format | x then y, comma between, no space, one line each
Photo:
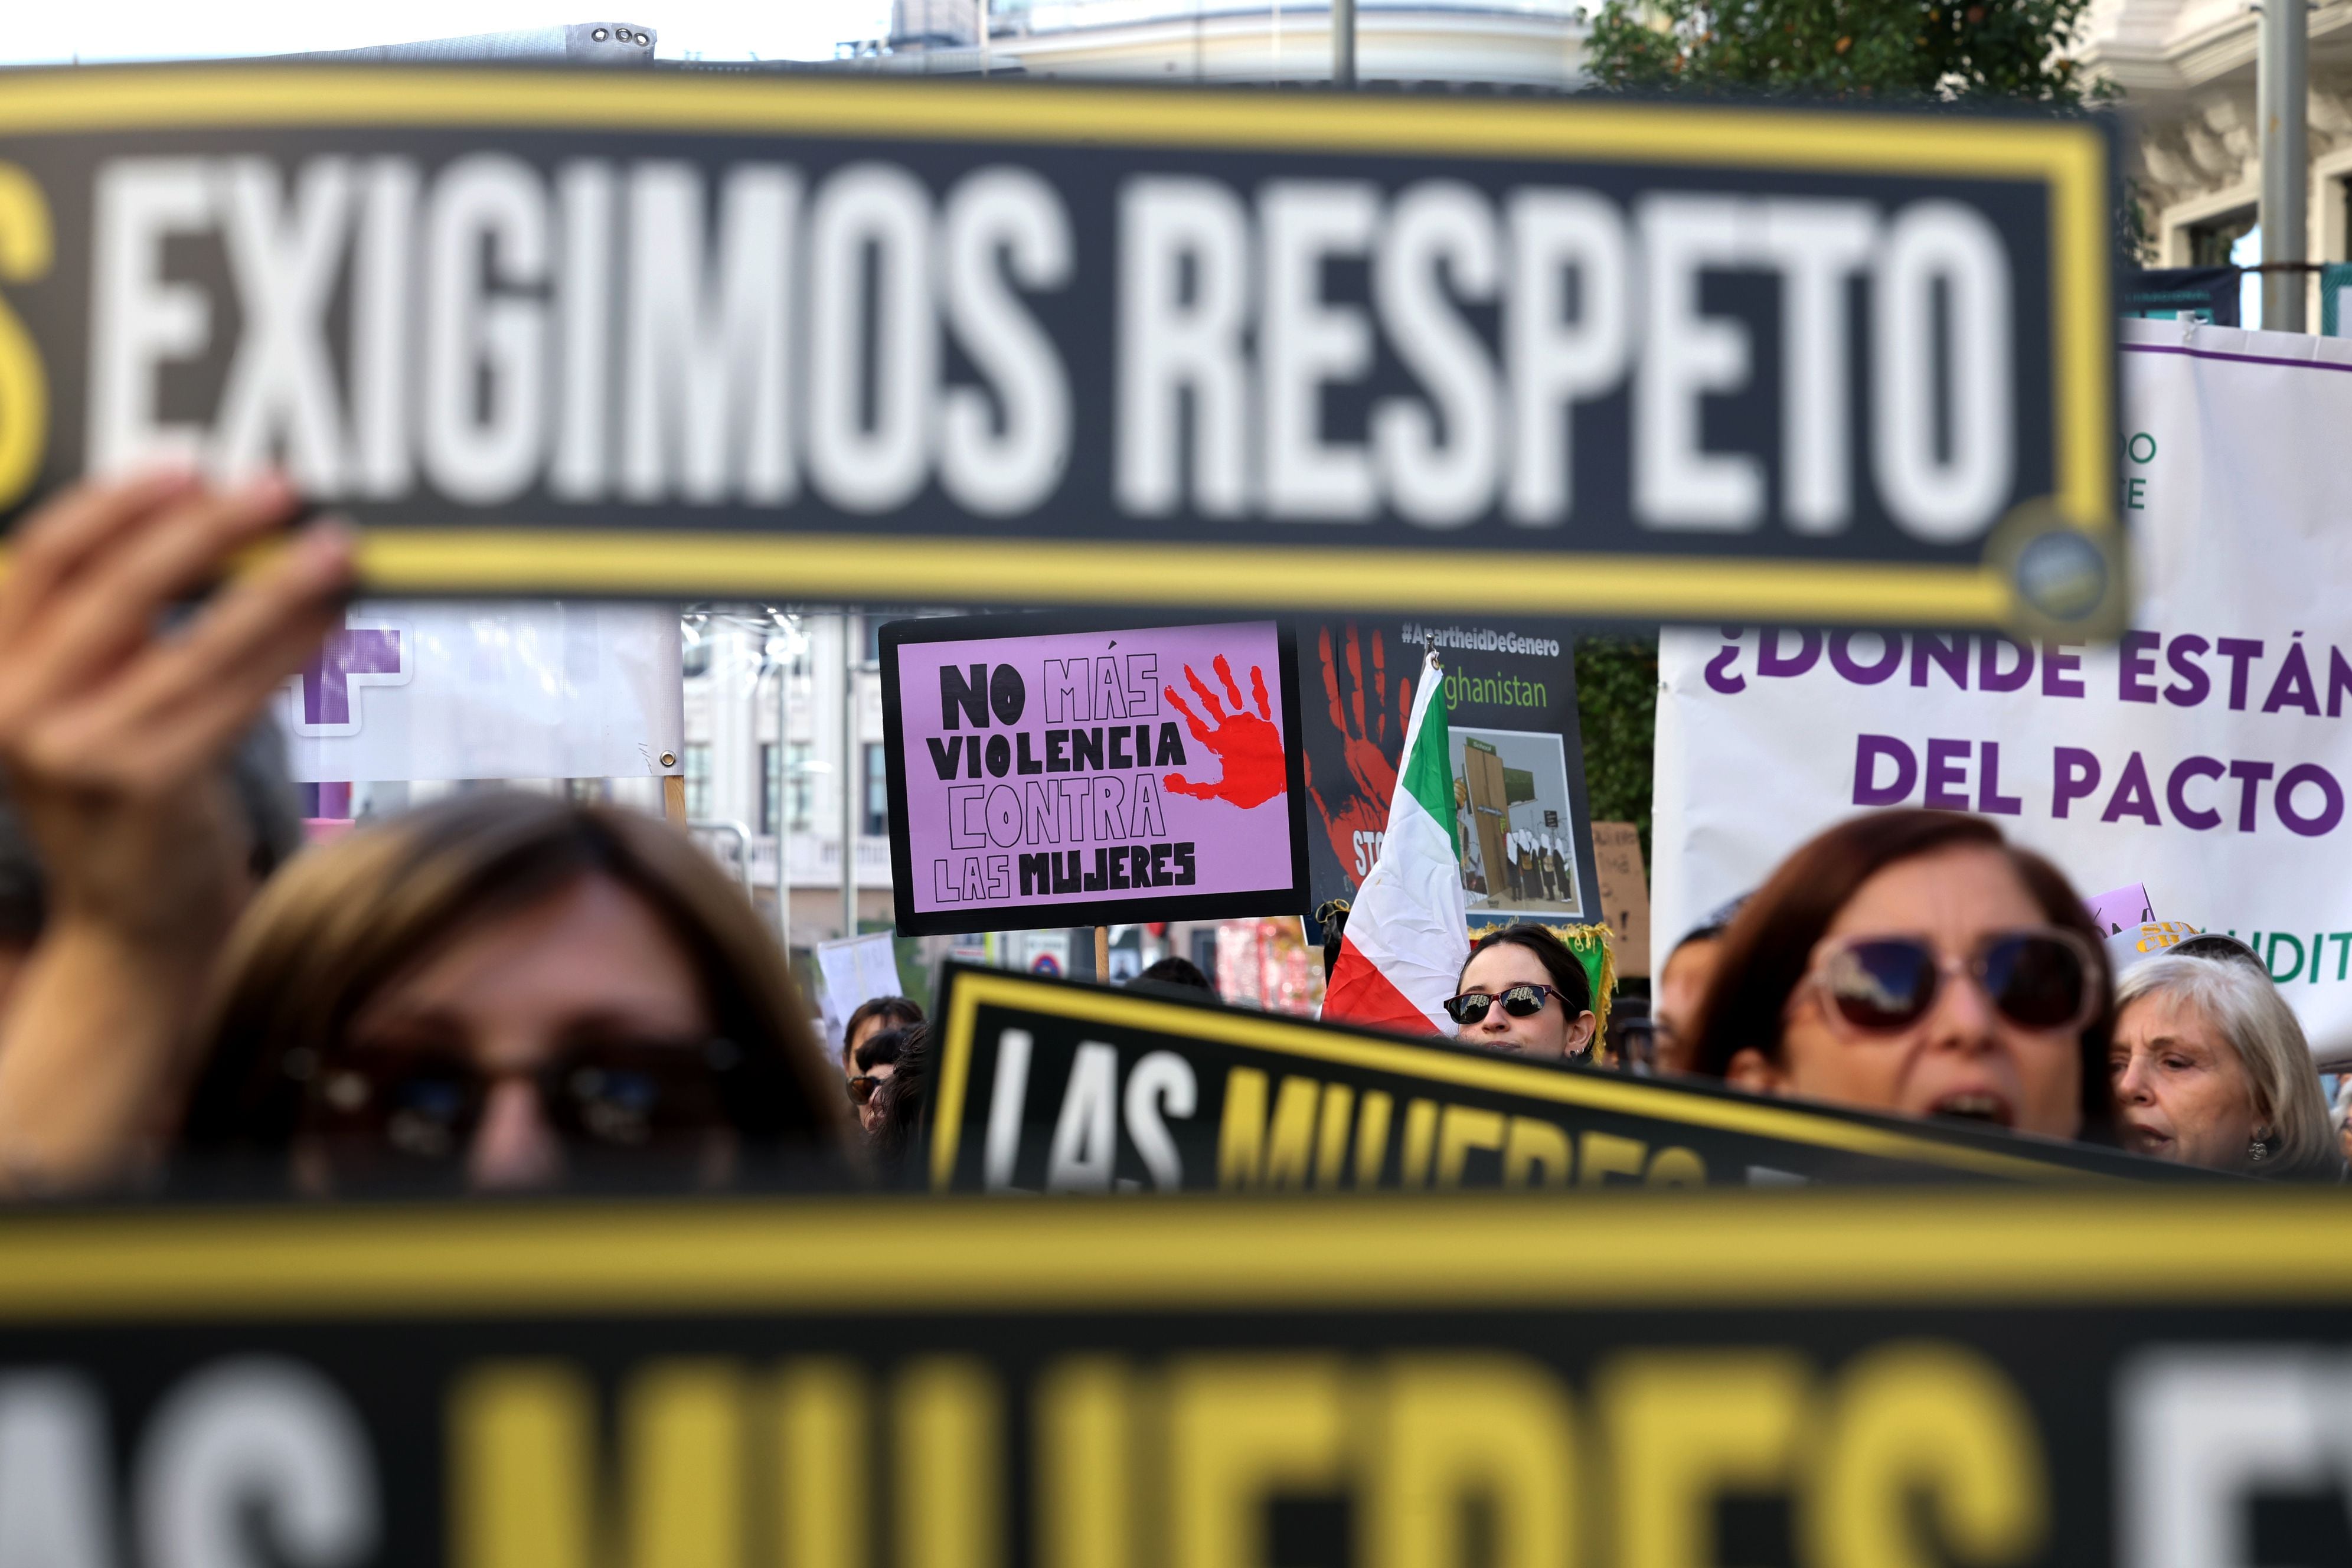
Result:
1524,992
900,1106
878,1064
1175,976
1914,961
1332,916
870,1018
117,723
2342,1117
510,991
1682,987
2211,1068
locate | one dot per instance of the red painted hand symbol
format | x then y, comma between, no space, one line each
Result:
1359,804
1247,743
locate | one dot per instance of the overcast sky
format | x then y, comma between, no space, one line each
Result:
42,32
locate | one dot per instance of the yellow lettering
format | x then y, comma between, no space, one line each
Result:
821,1499
1239,1429
1685,1428
1250,1153
1331,1136
683,1440
1420,1141
1460,1131
1676,1167
1085,1465
1535,1155
1454,1428
1938,1421
26,249
1607,1155
950,1445
522,1456
1373,1138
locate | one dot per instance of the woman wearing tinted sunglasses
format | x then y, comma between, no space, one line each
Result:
1914,962
1524,992
505,991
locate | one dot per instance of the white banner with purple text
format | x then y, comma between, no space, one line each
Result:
2207,755
528,689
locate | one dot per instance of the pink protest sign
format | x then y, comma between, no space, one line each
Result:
1047,771
2121,908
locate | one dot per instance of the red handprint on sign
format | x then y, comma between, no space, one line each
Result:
1355,809
1247,743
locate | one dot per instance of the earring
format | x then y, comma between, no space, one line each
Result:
2259,1149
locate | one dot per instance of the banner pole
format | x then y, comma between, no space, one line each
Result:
849,759
1102,953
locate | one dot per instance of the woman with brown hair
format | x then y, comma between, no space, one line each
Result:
1915,962
507,991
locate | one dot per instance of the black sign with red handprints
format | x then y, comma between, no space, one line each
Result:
1520,813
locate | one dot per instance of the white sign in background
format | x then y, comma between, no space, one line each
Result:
2208,754
531,689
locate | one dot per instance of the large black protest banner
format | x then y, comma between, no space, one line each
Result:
1524,824
681,335
1826,1380
1053,1085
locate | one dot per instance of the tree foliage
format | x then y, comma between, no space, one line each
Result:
1617,718
1932,49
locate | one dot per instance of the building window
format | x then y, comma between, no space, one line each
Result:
800,790
877,792
698,780
2211,240
2232,239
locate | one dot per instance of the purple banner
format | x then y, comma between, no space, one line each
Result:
1075,777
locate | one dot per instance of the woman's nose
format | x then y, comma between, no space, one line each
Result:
2132,1083
514,1147
1964,1016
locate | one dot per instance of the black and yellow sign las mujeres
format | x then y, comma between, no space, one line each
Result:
2002,1379
1057,1086
1032,344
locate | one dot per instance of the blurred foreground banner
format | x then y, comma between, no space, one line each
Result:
1824,1380
691,335
1053,1085
2205,756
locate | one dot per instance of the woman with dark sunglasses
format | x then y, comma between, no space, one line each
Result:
507,991
1525,992
1915,962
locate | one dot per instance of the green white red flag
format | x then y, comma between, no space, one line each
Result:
1408,931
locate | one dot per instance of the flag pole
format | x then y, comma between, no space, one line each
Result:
1102,953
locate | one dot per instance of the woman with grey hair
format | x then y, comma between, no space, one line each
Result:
2211,1068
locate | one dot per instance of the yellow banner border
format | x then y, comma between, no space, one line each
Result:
1472,1253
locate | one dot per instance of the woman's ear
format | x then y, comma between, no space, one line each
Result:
1580,1033
1754,1071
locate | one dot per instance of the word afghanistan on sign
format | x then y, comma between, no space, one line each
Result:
1040,766
1826,1380
1052,1086
674,335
